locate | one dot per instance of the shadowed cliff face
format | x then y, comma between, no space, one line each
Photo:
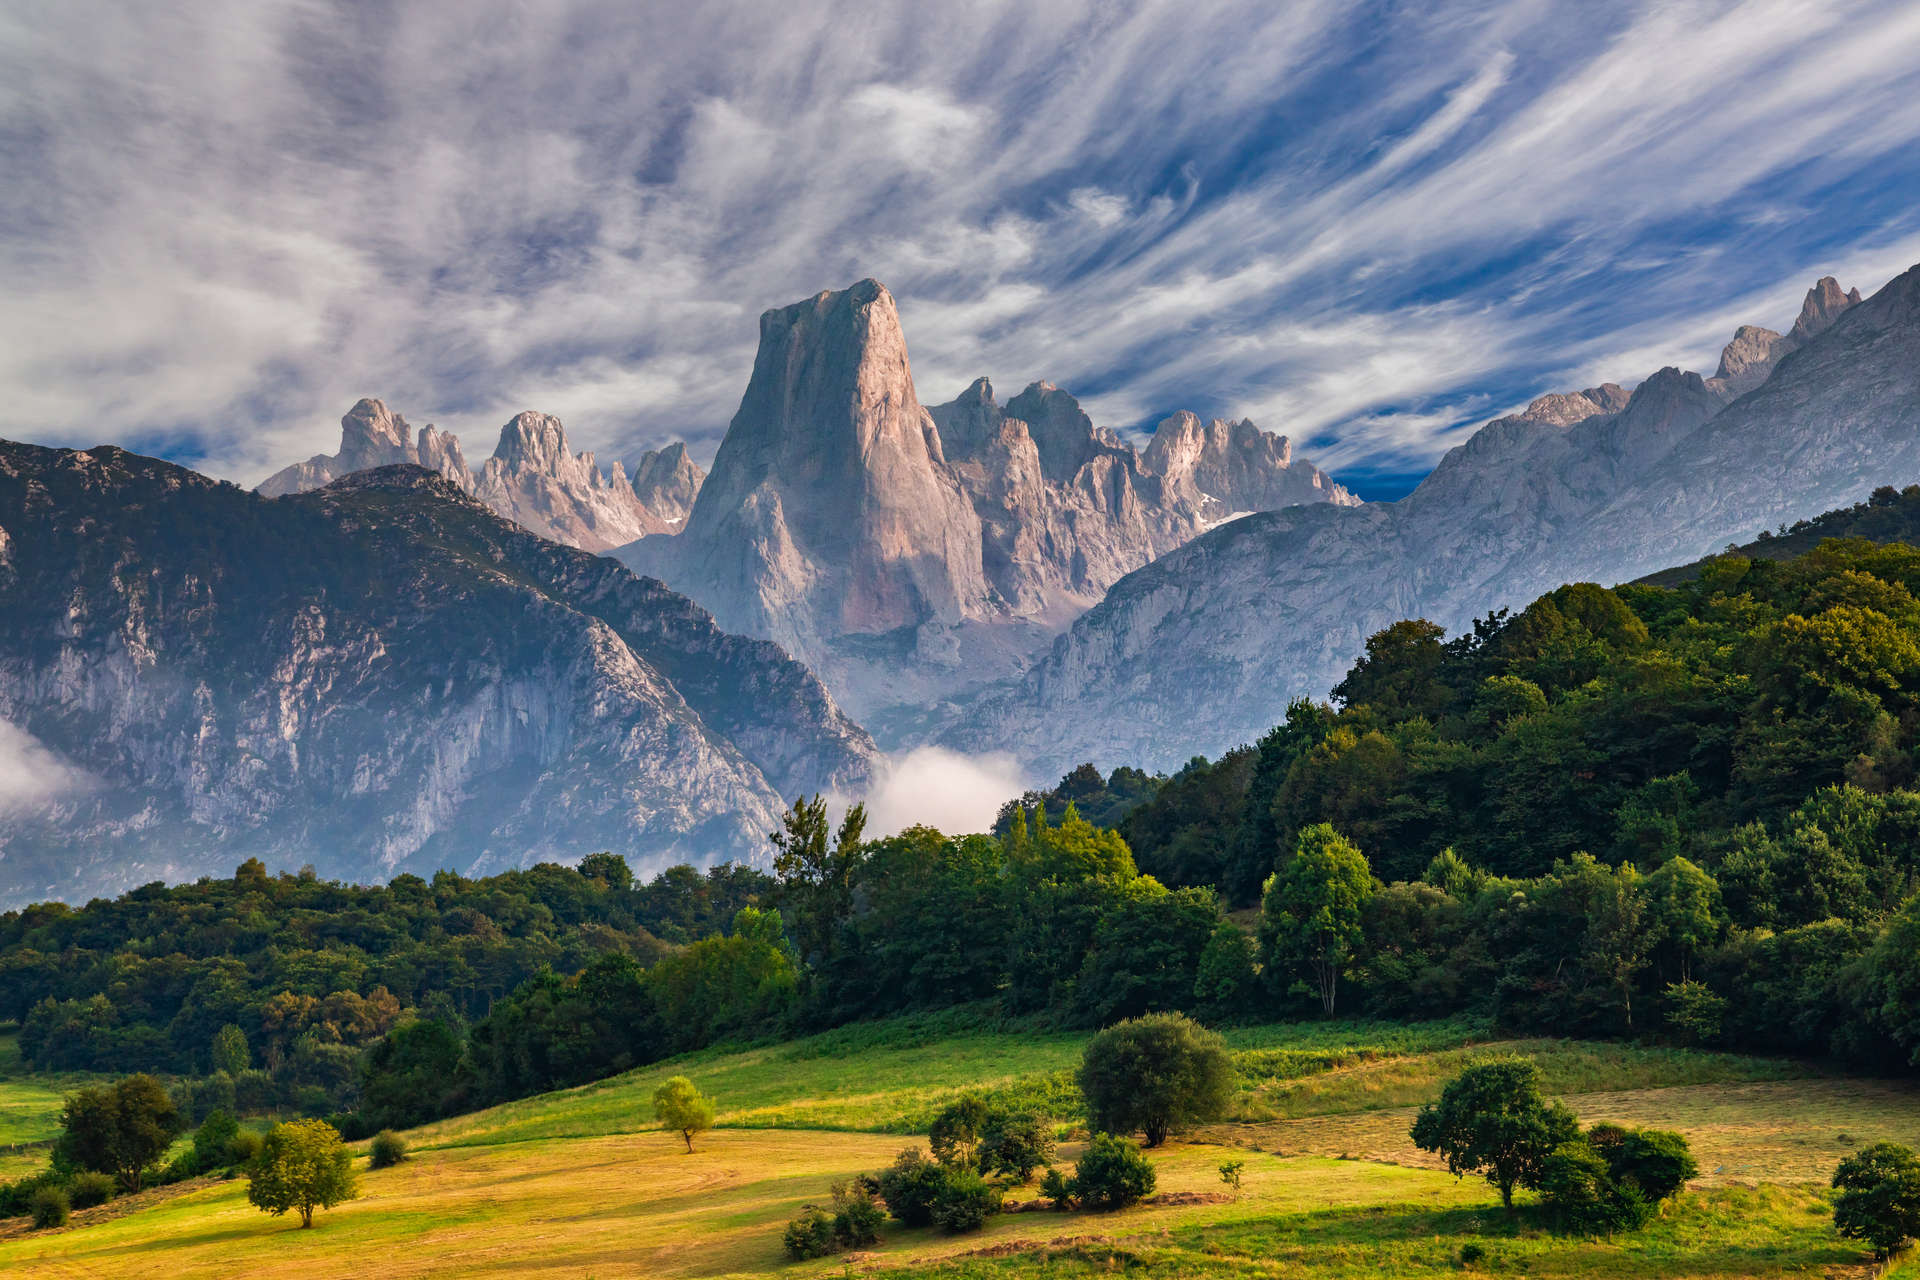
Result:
1202,649
377,676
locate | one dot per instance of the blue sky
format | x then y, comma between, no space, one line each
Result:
1369,227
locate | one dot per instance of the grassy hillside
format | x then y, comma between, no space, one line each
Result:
581,1184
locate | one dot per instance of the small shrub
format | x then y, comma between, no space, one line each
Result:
910,1186
1472,1253
1230,1174
810,1235
1056,1187
964,1201
1111,1174
90,1189
857,1217
387,1150
49,1208
213,1142
1879,1199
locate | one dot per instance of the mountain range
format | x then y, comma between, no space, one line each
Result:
533,478
1202,649
385,660
377,676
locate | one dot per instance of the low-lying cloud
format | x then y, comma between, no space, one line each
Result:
935,787
31,776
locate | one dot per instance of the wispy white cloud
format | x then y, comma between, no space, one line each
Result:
932,786
227,219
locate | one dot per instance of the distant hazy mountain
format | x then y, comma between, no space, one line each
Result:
533,478
1203,648
909,554
377,676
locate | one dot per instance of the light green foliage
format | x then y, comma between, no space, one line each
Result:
48,1208
1311,916
681,1108
1492,1119
302,1166
1230,1171
230,1053
1155,1074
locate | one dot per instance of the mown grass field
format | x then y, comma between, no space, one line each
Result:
581,1184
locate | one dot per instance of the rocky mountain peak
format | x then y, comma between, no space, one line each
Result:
1824,304
370,430
667,481
535,441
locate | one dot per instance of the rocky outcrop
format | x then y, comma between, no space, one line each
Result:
1203,648
1754,352
909,554
533,477
377,676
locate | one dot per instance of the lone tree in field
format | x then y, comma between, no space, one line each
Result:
1492,1119
1155,1074
1879,1199
1310,913
683,1109
120,1129
302,1166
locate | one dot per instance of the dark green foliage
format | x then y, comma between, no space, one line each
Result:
1057,1187
1584,1197
1105,802
1188,832
1013,1145
1111,1173
1657,1162
387,1149
1879,1199
121,1129
213,1143
964,1201
810,1235
1224,980
89,1189
857,1216
48,1207
911,1185
1492,1119
1145,952
1155,1074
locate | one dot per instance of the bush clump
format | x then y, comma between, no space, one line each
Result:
49,1207
1613,1179
90,1189
964,1201
810,1235
388,1149
1110,1174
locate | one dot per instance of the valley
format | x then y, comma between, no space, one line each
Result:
582,1183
